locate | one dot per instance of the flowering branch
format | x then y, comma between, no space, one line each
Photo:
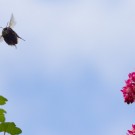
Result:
129,95
129,90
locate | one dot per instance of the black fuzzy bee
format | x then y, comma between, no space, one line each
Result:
9,35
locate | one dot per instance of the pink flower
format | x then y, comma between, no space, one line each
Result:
132,131
132,76
129,89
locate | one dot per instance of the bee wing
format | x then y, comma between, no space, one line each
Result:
1,38
12,22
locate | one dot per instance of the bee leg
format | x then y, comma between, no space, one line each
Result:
15,46
20,38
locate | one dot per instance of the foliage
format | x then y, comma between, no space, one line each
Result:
3,100
7,127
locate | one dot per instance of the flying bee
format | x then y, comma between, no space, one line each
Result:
9,35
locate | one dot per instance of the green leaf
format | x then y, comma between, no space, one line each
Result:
2,111
2,115
2,118
3,100
10,128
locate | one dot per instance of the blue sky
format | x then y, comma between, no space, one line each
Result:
65,79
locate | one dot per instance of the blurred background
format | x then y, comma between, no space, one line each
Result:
65,79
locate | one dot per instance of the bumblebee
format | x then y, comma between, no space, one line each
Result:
9,35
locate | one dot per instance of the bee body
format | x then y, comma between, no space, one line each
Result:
10,36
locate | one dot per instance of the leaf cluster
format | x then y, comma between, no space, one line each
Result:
7,127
